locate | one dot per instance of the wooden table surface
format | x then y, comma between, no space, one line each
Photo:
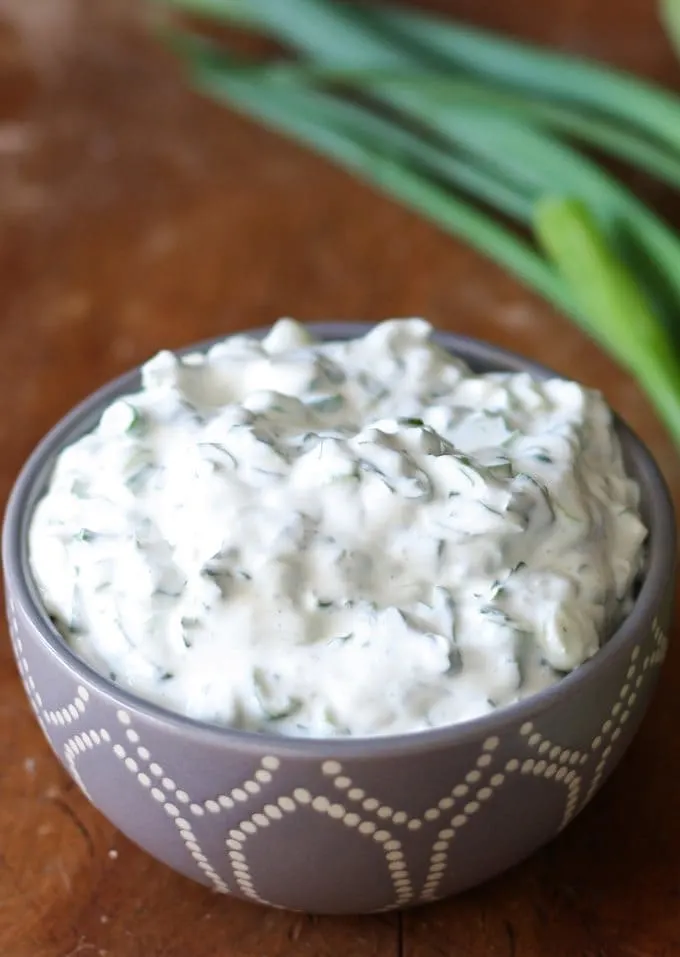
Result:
134,216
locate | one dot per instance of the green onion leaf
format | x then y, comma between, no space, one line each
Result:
669,11
620,317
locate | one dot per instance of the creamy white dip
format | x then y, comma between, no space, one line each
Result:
339,538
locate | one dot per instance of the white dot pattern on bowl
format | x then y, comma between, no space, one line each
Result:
354,808
620,711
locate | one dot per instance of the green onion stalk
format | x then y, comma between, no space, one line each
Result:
457,123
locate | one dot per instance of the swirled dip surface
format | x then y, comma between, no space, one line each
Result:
346,538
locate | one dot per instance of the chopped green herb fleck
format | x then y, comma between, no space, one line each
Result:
292,708
455,661
218,455
494,511
341,639
333,373
327,403
137,480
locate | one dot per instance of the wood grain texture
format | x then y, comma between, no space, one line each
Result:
133,217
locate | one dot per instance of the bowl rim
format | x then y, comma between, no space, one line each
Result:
22,590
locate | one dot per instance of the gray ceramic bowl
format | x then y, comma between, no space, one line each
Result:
340,826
